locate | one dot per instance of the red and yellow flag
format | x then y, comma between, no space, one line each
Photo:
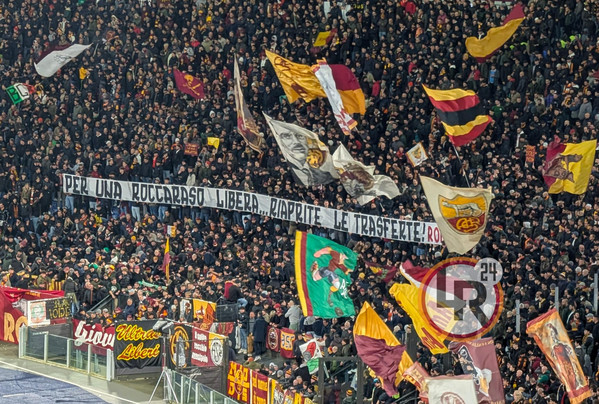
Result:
408,298
379,349
551,336
349,89
568,166
483,48
461,113
324,37
188,84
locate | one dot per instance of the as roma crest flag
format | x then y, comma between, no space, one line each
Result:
568,166
322,271
408,297
460,213
483,48
551,336
379,349
479,359
189,85
460,112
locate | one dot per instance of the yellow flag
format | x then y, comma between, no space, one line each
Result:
83,72
298,80
408,297
568,166
213,141
484,48
321,39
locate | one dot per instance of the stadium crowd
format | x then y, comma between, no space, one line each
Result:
115,112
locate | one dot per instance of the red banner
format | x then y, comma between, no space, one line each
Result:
207,348
191,149
14,294
238,382
100,338
530,154
11,319
287,340
259,388
273,339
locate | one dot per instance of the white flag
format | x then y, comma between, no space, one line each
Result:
359,180
324,74
54,60
417,155
309,158
311,351
460,213
451,390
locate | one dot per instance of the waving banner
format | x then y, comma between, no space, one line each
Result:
478,359
461,213
276,208
323,274
552,337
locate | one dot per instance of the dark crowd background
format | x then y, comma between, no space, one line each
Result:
123,118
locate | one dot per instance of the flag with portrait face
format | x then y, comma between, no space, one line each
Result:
309,158
552,337
479,359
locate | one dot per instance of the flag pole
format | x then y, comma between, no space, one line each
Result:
461,164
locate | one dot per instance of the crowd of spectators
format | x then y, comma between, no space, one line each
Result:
115,112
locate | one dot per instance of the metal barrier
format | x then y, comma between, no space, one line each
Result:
186,390
65,352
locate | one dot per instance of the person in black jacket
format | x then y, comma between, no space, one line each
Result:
259,332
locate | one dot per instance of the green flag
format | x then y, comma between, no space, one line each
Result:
17,93
322,272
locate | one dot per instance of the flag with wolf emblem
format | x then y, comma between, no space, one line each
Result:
460,213
568,166
359,180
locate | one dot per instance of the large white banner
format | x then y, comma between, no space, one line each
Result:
276,208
